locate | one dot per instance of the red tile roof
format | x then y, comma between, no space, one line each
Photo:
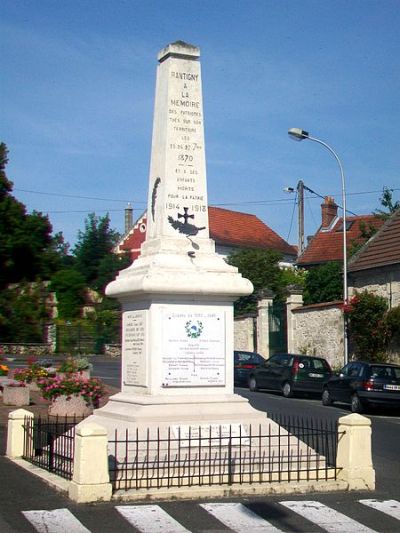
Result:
229,228
327,244
383,249
232,228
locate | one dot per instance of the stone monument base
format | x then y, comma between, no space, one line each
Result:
132,412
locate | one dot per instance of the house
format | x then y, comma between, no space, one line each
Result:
327,244
376,267
230,230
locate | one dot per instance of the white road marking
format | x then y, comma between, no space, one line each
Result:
238,518
326,518
57,521
390,507
150,519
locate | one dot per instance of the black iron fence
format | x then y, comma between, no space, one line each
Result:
186,456
49,443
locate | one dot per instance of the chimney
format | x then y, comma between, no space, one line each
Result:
128,217
328,211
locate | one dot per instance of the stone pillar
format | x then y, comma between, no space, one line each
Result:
354,457
16,433
266,298
91,479
293,300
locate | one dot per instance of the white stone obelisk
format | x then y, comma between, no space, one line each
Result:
177,297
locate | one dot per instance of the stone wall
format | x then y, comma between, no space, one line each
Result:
383,282
244,334
37,350
318,330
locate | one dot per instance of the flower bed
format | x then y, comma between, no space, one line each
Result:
74,391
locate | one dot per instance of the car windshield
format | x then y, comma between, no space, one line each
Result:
387,372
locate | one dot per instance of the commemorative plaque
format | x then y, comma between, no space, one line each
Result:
193,349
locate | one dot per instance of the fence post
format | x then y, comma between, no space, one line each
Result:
354,457
91,478
16,433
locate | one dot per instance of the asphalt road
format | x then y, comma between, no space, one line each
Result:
335,512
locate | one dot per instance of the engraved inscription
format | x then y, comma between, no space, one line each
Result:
134,326
193,349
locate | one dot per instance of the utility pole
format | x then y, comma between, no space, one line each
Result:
300,196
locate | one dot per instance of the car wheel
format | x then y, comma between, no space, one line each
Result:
356,405
253,384
287,390
326,397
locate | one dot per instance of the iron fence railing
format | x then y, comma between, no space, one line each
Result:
185,456
49,443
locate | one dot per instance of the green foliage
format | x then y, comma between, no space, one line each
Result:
323,284
367,326
69,285
393,323
388,203
27,249
94,257
23,313
261,267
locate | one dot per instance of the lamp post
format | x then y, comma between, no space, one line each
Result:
298,135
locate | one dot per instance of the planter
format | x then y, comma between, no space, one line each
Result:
33,387
75,406
17,396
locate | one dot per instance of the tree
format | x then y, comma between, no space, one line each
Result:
23,312
27,249
69,286
388,203
261,267
94,252
323,284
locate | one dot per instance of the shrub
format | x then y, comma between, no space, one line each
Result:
367,325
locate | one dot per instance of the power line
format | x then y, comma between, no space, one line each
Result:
63,195
249,202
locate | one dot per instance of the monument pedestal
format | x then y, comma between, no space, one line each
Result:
177,297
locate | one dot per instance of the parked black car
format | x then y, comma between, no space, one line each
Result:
362,384
243,363
290,373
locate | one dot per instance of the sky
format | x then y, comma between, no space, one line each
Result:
77,94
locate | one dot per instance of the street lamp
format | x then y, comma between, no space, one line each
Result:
298,135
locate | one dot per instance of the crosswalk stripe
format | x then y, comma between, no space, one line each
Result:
238,517
57,521
390,507
150,519
325,517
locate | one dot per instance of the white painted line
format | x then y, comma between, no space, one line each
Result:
326,518
238,518
57,521
150,519
390,507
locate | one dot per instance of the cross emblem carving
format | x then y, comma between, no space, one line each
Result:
185,216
